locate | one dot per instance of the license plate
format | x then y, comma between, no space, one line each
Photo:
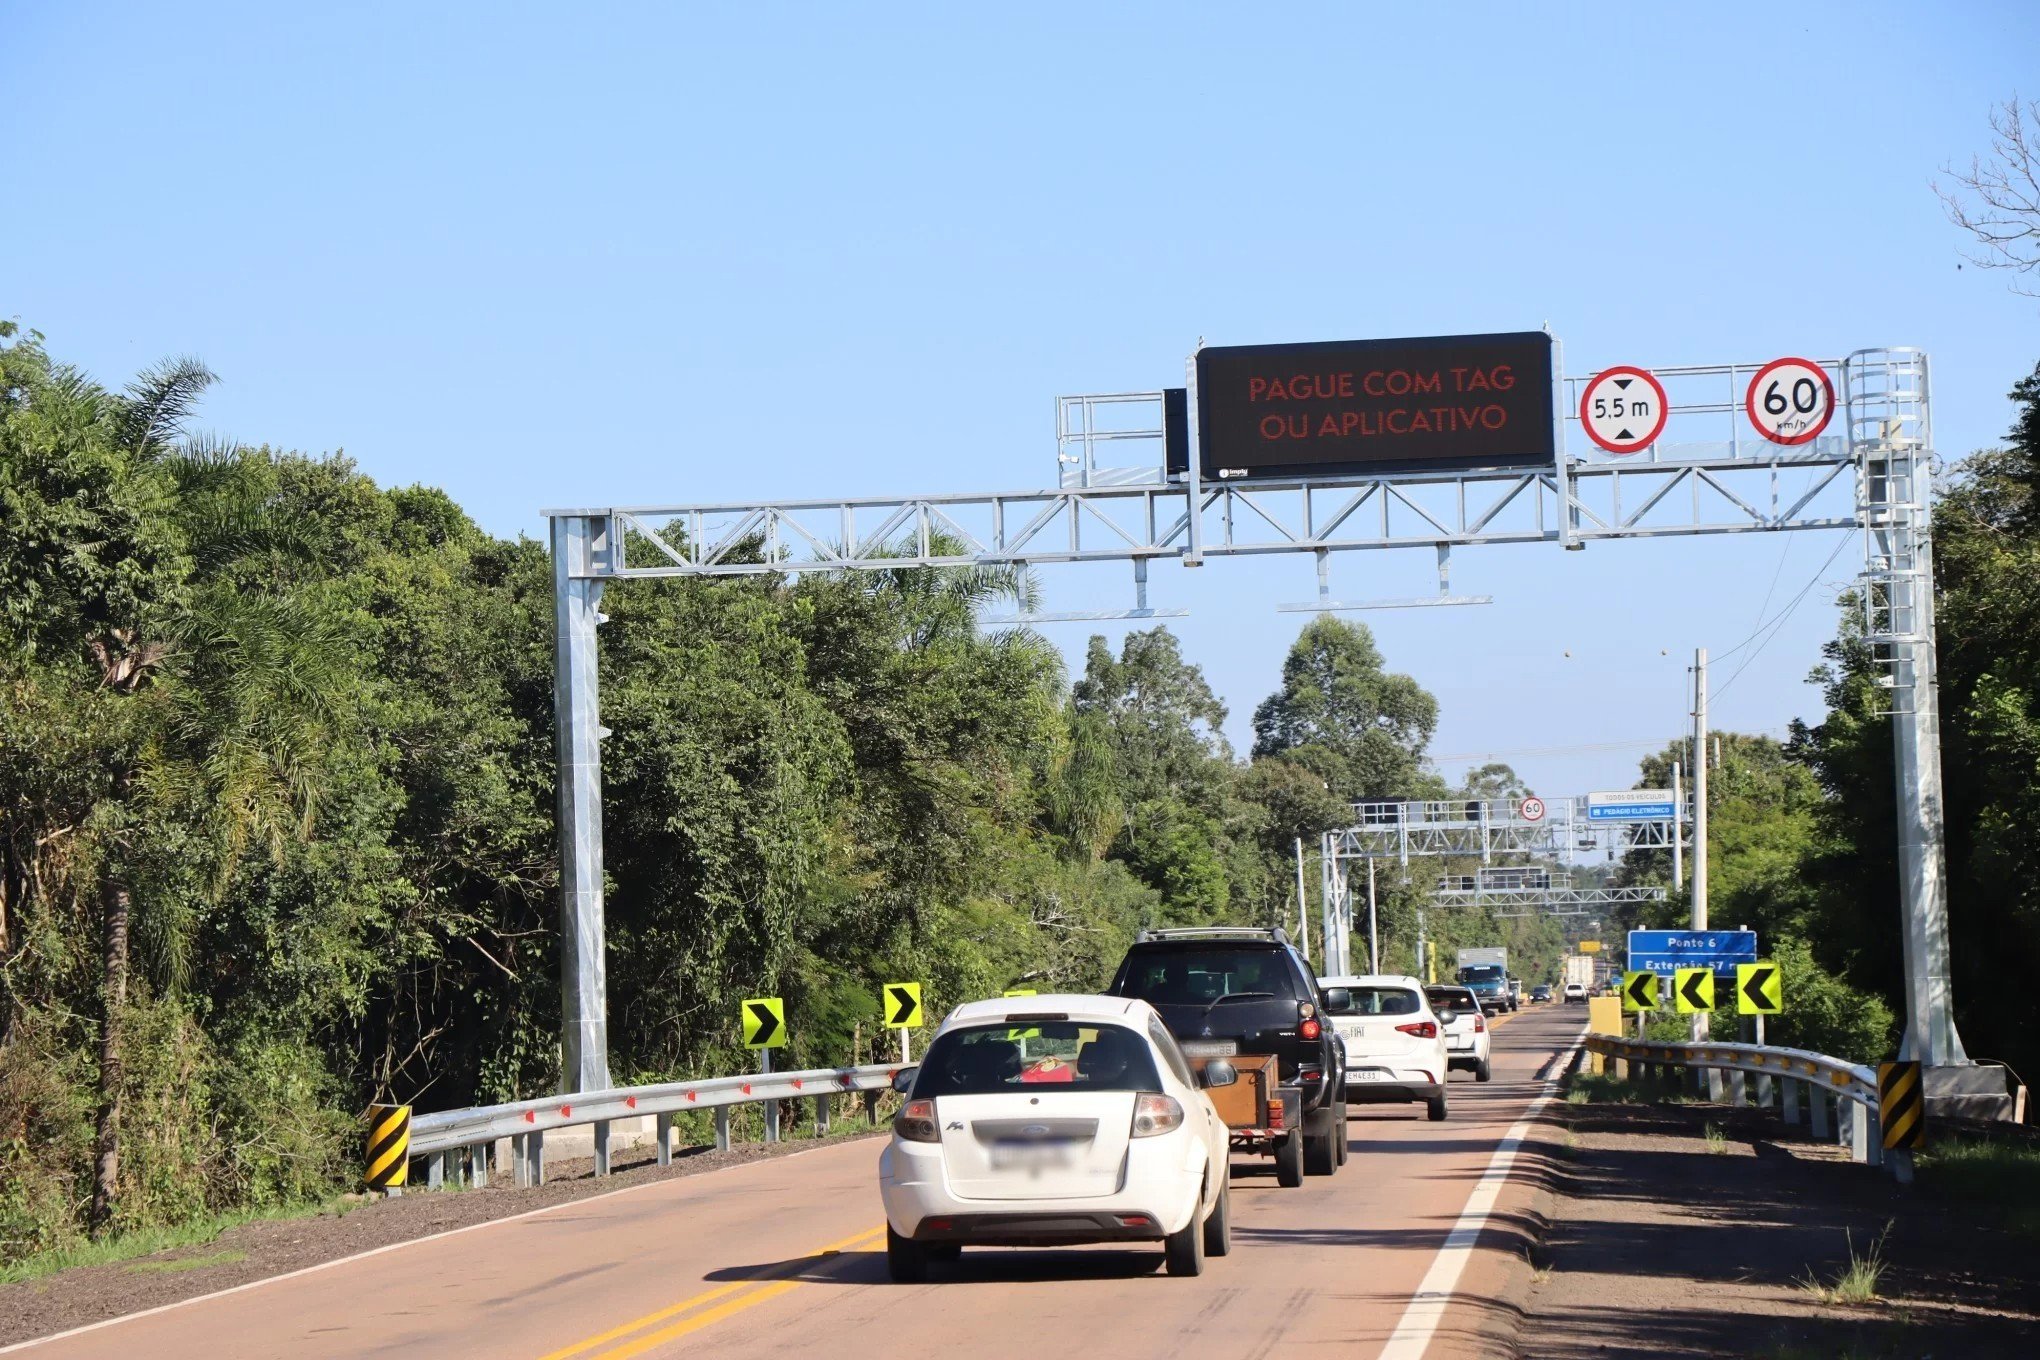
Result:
1029,1156
1210,1048
1365,1074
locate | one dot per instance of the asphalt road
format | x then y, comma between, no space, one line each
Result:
790,1253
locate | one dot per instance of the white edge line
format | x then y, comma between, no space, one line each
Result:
399,1246
1419,1323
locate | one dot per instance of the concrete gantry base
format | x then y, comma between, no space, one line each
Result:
1969,1091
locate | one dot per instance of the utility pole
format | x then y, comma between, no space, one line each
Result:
1700,808
1678,829
1373,935
1302,902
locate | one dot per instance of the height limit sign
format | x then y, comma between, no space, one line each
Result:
1624,409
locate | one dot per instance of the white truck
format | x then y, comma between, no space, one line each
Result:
1579,977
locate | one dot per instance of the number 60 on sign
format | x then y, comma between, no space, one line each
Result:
1790,401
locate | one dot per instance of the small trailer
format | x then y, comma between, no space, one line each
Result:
1266,1117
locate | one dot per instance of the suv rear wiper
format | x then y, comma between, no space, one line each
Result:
1235,996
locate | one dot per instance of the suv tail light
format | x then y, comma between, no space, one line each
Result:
1310,1028
916,1122
1479,1023
1153,1114
1423,1029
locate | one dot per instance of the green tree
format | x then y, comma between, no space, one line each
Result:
1160,722
222,698
1343,715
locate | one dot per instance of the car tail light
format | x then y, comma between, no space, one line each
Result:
1275,1115
1310,1076
1135,1221
1480,1024
1153,1114
1423,1029
1310,1028
916,1122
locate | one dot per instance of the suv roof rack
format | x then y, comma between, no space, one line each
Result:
1276,933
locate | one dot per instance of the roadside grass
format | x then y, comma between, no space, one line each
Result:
2000,1174
179,1264
1602,1088
1794,1350
1717,1139
129,1246
1857,1281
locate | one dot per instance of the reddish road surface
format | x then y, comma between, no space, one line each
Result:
789,1253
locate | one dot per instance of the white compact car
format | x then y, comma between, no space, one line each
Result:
1395,1047
1575,991
1053,1120
1468,1045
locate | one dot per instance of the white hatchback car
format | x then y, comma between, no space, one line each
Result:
1395,1047
1054,1120
1468,1041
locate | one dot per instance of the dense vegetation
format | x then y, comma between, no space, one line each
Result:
276,803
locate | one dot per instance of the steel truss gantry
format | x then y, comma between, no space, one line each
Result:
1557,897
1721,480
1485,828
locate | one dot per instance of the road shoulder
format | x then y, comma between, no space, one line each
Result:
1666,1242
1489,1304
255,1252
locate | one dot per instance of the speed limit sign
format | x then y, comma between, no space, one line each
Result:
1623,409
1532,809
1790,401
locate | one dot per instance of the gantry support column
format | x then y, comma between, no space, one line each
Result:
580,546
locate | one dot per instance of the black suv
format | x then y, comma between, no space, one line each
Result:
1233,990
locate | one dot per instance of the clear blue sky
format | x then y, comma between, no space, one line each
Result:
585,255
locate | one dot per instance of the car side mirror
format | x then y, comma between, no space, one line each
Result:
903,1080
1338,1001
1218,1072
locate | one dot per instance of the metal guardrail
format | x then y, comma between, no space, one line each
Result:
1803,1084
456,1143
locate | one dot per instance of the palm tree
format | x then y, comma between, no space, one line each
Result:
236,696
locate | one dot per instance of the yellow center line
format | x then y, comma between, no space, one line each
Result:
700,1320
749,1292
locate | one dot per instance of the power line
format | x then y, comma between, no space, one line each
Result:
1588,746
1777,624
1790,605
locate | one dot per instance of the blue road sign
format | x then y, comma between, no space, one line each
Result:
1631,805
1667,951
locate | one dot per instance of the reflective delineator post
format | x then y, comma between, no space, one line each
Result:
389,1148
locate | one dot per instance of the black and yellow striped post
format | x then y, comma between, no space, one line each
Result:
389,1147
1901,1106
1901,1117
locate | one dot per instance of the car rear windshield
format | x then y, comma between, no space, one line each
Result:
1046,1055
1451,999
1206,977
1382,1001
